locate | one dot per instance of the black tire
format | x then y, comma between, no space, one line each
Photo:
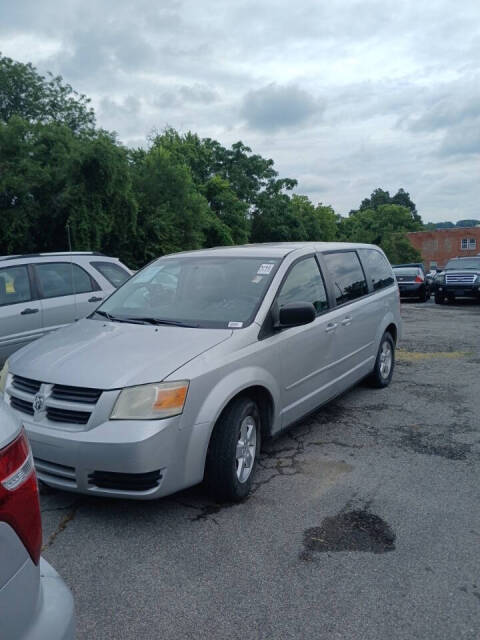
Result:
423,297
439,298
451,298
221,476
378,378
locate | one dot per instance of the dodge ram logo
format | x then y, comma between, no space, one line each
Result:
38,402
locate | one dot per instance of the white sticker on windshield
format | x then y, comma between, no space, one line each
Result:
265,269
257,279
235,325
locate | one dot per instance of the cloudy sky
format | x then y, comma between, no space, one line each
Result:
345,96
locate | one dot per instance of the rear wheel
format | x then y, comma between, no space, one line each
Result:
381,375
424,297
439,298
233,451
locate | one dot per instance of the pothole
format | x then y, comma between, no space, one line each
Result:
417,443
357,530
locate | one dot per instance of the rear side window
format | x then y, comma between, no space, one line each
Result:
377,268
114,273
304,284
14,286
347,275
62,279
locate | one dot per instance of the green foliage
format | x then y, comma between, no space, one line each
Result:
183,192
27,94
380,197
384,226
50,177
172,214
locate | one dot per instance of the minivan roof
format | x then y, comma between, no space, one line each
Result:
273,249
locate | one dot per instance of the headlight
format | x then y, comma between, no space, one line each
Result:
151,401
3,377
440,278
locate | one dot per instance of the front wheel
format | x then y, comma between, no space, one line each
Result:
233,451
439,298
382,373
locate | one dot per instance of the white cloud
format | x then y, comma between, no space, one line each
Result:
346,96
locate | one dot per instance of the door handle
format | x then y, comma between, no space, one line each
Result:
346,321
95,299
28,311
331,326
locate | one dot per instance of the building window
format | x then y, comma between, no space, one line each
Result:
433,265
469,243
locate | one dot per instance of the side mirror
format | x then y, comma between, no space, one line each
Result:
294,314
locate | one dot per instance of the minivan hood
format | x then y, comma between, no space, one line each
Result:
111,355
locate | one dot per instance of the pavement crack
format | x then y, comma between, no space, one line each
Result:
62,525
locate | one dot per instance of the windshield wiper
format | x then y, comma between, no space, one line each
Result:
104,314
145,320
113,318
156,321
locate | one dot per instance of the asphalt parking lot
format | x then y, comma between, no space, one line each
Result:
364,522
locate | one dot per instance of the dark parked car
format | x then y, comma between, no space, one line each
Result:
459,279
412,283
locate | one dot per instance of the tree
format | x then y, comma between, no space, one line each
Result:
379,197
384,226
468,223
172,214
33,97
275,220
228,208
319,223
50,177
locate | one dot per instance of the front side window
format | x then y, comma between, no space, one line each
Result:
200,291
304,284
58,279
347,276
114,273
14,285
377,268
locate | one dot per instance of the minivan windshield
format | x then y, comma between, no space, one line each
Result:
464,263
196,291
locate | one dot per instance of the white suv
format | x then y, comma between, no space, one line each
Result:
42,292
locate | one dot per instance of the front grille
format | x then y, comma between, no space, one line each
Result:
75,394
68,415
460,278
67,396
26,385
21,405
125,481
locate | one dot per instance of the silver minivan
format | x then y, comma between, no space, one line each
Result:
44,291
180,374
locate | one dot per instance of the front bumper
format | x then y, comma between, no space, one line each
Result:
140,459
459,290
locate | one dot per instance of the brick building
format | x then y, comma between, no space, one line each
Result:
438,246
